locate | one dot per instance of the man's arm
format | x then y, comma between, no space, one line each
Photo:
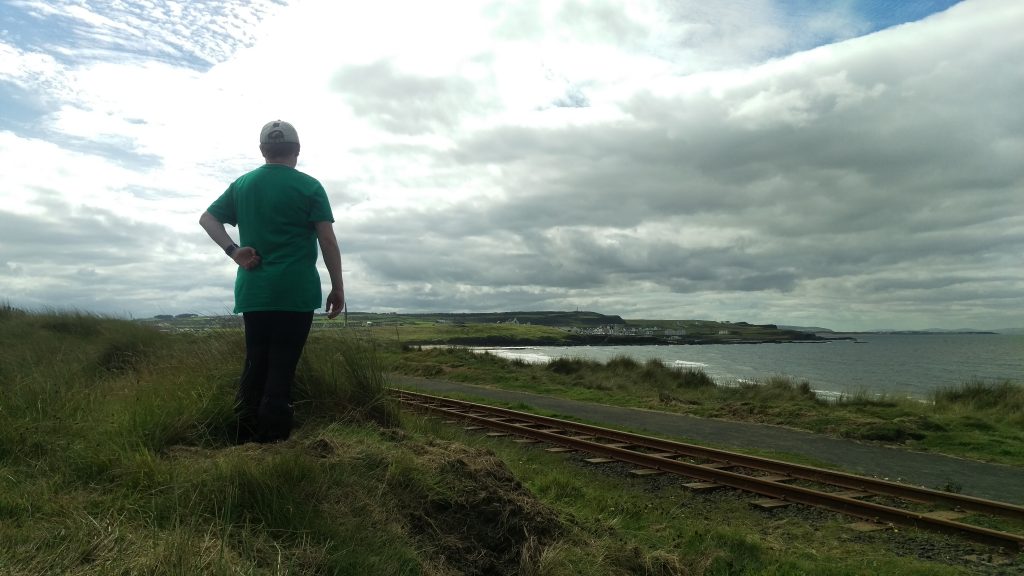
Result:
246,256
332,259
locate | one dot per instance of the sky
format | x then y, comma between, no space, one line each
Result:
855,165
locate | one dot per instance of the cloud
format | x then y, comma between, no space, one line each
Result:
759,161
91,259
405,103
193,33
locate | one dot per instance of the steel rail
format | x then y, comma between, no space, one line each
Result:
842,479
485,416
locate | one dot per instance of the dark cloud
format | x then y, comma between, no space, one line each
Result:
87,258
86,237
405,103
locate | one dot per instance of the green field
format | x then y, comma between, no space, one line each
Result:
115,459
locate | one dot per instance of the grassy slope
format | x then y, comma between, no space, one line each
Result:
115,459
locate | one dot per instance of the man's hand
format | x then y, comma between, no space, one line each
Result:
246,257
335,302
332,259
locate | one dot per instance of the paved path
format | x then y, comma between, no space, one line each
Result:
993,481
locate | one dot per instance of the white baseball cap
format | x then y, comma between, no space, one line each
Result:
278,131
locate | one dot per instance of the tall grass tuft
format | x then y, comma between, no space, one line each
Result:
655,374
694,378
7,311
622,364
1004,398
54,368
567,366
779,389
344,376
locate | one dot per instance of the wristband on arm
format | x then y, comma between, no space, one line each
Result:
230,250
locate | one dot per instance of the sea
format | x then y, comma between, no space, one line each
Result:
903,365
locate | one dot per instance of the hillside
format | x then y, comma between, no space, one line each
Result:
528,328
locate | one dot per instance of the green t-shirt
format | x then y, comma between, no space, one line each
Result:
275,208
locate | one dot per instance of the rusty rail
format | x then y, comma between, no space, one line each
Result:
627,447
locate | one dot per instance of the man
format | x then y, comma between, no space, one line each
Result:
281,214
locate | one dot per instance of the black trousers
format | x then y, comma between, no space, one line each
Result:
273,346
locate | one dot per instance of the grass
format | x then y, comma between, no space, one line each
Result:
625,525
115,458
976,420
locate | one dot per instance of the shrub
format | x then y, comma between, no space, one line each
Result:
896,431
694,378
622,364
127,349
344,376
567,365
7,312
1004,397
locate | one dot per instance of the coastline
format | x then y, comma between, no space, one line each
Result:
614,340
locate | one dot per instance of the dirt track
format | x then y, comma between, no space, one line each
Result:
993,481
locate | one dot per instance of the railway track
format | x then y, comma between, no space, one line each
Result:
879,502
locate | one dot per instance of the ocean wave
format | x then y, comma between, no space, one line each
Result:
528,357
688,364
